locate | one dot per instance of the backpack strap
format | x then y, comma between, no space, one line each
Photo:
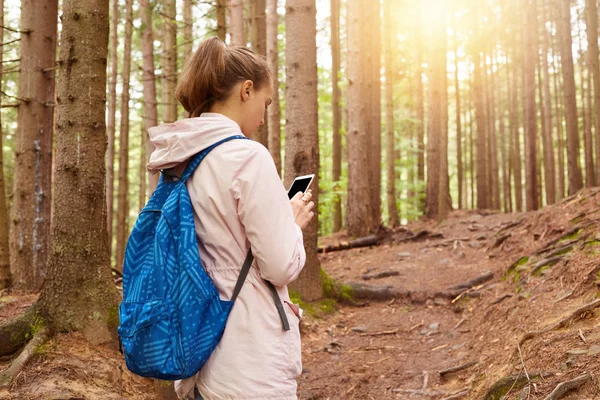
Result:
240,282
197,159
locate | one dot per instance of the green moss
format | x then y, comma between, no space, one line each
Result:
540,271
113,318
36,325
334,290
317,309
515,269
571,236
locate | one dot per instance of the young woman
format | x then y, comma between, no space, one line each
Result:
239,204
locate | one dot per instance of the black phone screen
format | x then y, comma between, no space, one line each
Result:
299,185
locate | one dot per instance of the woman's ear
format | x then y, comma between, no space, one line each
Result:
246,89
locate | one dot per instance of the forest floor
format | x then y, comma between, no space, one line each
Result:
534,325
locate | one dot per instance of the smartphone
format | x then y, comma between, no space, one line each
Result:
300,184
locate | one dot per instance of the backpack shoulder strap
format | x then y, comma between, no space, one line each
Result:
197,159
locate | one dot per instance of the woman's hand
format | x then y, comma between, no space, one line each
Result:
302,208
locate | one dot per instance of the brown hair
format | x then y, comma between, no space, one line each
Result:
211,72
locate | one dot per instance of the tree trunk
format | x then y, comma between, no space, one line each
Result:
558,102
359,218
123,203
5,276
111,119
514,128
259,45
221,8
337,113
79,294
549,172
30,230
420,110
480,117
188,26
142,170
149,79
375,109
530,55
591,12
471,148
302,138
389,124
588,146
459,145
274,111
444,199
493,170
236,22
169,61
564,33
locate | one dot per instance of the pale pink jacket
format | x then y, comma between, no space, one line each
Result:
239,202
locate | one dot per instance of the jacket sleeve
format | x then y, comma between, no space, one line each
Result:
266,213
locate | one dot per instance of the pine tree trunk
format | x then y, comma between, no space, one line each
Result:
30,216
123,203
471,148
493,169
149,79
558,106
444,199
142,174
375,112
591,13
549,172
420,99
79,294
259,45
236,22
302,140
359,218
221,8
565,41
389,124
5,276
480,117
530,55
459,155
588,149
188,26
274,111
514,128
337,112
539,149
169,61
111,120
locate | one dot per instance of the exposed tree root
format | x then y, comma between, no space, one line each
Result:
562,323
7,376
14,332
562,388
507,383
458,395
546,262
550,245
372,240
457,368
473,282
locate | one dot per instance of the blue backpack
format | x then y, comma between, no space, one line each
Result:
171,316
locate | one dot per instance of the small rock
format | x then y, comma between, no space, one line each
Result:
360,328
341,326
595,349
577,352
404,254
481,237
475,245
444,261
434,326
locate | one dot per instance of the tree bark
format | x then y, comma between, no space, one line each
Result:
359,218
375,109
302,140
493,170
480,117
79,294
149,79
549,172
188,26
591,13
111,119
123,203
530,55
337,113
169,61
259,45
564,32
420,99
30,216
558,103
221,8
5,275
588,146
459,140
274,111
389,124
236,23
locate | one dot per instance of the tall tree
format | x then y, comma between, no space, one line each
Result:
420,99
111,118
591,15
30,216
274,110
549,172
302,140
221,8
188,26
389,114
169,61
5,276
259,44
359,216
480,117
374,56
149,79
530,58
78,294
236,22
336,111
568,73
459,156
588,146
123,203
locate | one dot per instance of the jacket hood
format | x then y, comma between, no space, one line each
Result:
176,142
